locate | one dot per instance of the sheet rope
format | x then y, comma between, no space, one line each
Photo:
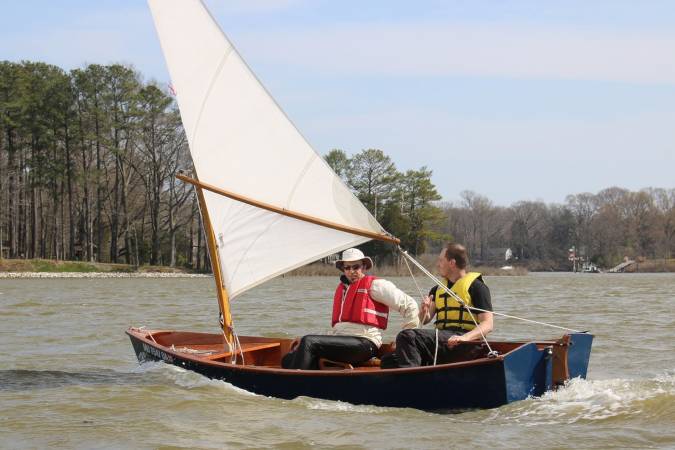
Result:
456,297
232,346
491,353
421,293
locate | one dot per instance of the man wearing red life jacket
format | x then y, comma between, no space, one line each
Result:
361,307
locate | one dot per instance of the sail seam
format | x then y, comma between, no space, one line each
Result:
301,176
300,264
208,93
270,97
253,242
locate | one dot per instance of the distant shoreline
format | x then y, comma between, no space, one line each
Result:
49,268
20,268
17,275
46,268
296,273
41,268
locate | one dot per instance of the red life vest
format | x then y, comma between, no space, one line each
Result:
356,306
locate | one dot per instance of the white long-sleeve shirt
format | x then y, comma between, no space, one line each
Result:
387,293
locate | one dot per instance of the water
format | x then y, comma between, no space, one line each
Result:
69,378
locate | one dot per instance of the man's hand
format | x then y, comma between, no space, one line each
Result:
454,340
294,343
425,307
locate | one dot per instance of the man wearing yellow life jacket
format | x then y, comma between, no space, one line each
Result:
453,321
361,306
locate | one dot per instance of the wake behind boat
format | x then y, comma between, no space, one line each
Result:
270,204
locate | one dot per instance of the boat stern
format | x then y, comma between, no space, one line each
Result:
527,372
579,354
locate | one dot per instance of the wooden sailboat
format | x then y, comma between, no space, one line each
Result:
270,204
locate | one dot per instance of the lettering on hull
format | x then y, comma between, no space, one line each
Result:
156,353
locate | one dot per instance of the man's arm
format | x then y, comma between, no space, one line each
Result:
386,292
427,310
481,298
428,307
485,324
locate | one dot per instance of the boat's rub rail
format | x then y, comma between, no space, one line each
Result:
268,352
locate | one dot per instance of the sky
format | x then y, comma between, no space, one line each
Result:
514,100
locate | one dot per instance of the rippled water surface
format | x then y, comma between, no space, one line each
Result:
69,377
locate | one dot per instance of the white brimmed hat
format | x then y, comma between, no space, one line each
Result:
353,255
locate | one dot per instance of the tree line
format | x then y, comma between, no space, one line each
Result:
602,228
88,160
403,202
87,168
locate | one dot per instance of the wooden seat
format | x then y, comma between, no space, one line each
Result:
246,348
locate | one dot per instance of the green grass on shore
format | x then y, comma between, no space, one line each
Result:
48,265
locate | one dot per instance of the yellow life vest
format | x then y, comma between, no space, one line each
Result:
449,312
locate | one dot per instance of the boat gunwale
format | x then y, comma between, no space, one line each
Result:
140,334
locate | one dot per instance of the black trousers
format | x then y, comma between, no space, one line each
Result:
348,349
416,347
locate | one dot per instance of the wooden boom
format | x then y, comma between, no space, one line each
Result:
289,213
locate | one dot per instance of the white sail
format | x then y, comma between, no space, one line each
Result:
241,141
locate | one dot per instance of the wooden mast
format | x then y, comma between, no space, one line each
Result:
223,298
286,212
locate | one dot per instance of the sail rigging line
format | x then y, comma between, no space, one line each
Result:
491,353
233,359
456,297
289,213
436,349
419,290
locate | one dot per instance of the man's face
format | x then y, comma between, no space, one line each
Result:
353,270
444,266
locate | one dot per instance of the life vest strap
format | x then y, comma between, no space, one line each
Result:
456,308
377,313
450,308
463,322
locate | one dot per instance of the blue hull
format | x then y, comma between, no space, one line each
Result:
481,383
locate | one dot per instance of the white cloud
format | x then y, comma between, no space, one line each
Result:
446,49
